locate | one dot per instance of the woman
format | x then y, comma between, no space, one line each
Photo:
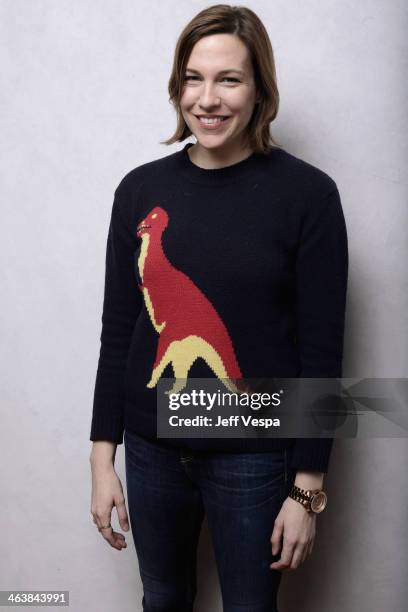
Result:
226,259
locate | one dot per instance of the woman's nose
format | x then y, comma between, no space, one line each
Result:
209,97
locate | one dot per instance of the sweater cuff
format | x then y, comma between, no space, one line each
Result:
312,454
107,427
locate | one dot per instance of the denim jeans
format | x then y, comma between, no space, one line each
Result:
170,490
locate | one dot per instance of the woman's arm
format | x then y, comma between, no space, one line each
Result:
321,285
103,454
309,480
121,306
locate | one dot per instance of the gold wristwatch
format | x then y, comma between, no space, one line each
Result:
312,500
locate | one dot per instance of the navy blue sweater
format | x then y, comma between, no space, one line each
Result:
257,249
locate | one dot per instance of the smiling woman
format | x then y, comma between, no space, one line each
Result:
213,104
224,67
241,273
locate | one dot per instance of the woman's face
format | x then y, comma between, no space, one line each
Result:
218,82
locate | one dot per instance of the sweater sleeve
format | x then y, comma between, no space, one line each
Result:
121,305
321,286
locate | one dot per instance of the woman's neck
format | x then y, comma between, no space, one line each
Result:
217,158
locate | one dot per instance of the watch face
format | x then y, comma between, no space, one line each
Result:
318,502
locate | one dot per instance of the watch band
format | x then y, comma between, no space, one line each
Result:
313,500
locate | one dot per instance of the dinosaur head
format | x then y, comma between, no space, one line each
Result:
154,223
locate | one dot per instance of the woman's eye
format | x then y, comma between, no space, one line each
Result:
232,79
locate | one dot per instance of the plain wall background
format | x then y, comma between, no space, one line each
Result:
83,101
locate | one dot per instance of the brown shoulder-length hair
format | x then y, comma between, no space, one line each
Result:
244,23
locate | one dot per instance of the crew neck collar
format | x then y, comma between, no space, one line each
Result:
216,176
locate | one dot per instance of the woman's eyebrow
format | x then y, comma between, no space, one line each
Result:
220,72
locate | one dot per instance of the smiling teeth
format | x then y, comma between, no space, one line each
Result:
211,120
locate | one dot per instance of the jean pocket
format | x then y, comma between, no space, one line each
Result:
248,471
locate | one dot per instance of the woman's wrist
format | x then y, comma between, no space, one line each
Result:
103,454
309,480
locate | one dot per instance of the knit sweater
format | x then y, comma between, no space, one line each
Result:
260,249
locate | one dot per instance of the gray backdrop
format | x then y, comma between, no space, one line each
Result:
83,101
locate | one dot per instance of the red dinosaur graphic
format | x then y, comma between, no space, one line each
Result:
188,324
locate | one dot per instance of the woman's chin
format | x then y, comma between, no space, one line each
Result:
211,142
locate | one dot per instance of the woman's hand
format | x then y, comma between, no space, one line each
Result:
298,528
107,492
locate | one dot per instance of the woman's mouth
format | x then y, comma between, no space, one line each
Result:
212,123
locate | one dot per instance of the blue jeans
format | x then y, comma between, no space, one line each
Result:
170,490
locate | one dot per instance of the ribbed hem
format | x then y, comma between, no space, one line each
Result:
312,454
213,445
106,427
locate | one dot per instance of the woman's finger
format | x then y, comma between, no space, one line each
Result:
107,534
305,552
297,556
286,556
122,513
276,537
115,539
